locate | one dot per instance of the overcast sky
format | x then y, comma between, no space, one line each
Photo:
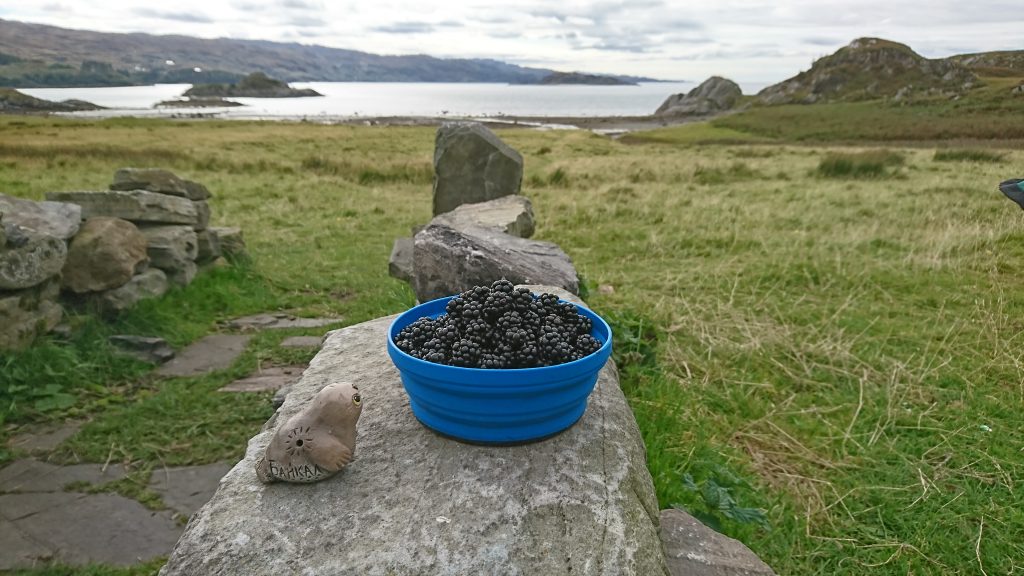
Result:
751,41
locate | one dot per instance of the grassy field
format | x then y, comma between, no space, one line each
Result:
838,346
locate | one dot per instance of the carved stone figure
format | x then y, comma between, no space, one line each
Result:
317,442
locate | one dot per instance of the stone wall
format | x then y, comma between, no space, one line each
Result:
104,250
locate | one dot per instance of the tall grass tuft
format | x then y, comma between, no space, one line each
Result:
868,165
968,155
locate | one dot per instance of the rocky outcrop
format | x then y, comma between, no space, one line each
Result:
31,262
693,549
26,314
412,502
471,164
870,68
57,219
13,101
152,180
449,261
255,85
105,254
714,95
137,206
509,214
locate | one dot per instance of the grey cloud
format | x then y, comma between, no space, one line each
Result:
405,28
301,4
823,41
301,21
194,17
56,7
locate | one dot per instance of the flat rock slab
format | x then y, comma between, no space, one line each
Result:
512,215
413,502
78,529
693,549
45,439
267,379
34,476
302,342
132,205
449,261
186,489
58,219
214,352
278,320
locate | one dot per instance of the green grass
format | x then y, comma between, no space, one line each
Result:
968,155
866,164
846,349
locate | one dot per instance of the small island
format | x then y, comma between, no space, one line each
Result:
579,78
198,102
255,85
12,101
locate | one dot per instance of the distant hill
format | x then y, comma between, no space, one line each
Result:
12,101
1006,63
870,68
39,55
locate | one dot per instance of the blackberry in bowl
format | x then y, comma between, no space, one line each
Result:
499,364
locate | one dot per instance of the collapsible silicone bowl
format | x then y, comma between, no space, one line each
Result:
497,406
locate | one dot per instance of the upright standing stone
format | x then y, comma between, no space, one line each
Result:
471,164
105,254
58,219
134,205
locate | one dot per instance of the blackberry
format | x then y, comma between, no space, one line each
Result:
501,327
465,353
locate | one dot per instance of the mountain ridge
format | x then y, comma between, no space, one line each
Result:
33,55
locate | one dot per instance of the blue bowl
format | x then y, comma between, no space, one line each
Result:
495,406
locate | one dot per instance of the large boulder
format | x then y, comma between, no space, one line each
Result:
449,261
25,314
58,219
693,549
31,261
134,205
471,164
714,95
413,502
509,214
174,250
151,283
158,180
105,254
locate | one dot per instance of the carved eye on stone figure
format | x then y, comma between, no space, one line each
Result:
356,399
298,441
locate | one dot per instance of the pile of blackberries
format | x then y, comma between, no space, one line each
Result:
501,327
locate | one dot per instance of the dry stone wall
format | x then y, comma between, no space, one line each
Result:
106,249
